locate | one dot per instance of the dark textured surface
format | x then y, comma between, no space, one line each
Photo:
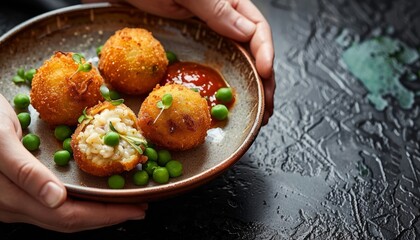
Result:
327,166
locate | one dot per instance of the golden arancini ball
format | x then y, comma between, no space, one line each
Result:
95,148
60,92
132,61
183,125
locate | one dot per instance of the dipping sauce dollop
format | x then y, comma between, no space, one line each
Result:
200,77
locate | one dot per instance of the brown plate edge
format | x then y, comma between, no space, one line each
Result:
161,191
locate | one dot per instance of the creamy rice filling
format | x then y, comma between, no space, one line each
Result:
91,141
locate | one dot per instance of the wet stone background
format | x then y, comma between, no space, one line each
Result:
327,166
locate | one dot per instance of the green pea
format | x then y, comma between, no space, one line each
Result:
29,75
21,100
24,119
164,156
151,154
150,166
62,157
141,178
21,72
112,139
161,175
61,132
67,145
219,112
31,142
171,57
174,168
116,181
224,94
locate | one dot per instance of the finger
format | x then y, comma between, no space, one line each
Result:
14,202
18,206
222,17
22,168
163,8
261,43
83,215
262,49
269,88
7,111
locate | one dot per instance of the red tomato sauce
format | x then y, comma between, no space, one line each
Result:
197,76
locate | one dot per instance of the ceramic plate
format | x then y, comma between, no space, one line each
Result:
83,28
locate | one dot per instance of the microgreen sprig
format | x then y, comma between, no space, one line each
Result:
164,104
23,76
82,66
99,50
84,116
106,93
135,142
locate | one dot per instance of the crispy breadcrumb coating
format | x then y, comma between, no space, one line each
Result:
183,125
59,93
132,61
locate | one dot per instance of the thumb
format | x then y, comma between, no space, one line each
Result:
22,168
222,17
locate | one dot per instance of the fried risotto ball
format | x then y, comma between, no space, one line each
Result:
132,61
60,93
90,152
183,125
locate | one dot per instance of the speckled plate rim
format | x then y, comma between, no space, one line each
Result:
172,188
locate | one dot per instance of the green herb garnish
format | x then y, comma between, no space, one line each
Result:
84,116
82,65
99,50
135,142
106,93
164,104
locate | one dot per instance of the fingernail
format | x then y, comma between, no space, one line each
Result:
51,194
245,26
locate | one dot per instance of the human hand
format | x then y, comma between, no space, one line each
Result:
237,19
32,194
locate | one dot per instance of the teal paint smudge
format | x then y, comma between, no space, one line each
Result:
379,63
